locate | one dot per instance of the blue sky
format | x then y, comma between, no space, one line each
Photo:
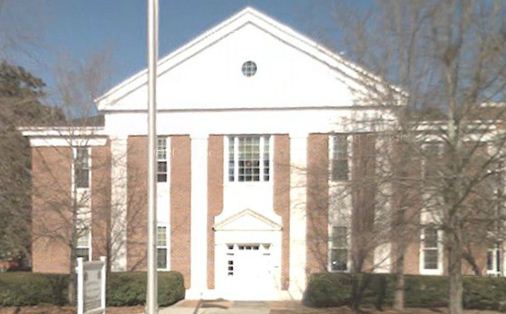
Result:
77,29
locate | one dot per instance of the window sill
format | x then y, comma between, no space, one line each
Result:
339,271
338,183
245,183
431,272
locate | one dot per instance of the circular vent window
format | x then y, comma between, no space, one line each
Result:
249,68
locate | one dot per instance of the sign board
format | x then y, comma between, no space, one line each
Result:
91,286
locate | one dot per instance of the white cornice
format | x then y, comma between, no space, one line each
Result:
64,136
62,131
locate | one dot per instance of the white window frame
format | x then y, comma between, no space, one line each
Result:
166,246
88,246
332,246
165,158
262,142
82,197
439,249
496,254
74,160
332,140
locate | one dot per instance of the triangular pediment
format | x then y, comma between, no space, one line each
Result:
247,220
205,74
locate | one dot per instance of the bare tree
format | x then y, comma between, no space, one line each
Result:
447,55
66,211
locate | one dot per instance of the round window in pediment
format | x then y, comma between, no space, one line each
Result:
249,68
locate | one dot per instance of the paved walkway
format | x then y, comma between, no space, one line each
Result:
218,308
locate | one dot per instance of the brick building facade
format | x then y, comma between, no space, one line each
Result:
260,134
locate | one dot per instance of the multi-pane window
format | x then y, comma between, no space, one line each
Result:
430,248
161,246
82,167
83,244
340,165
249,158
494,260
432,154
498,190
339,249
161,156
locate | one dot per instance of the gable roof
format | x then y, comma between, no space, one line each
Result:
247,16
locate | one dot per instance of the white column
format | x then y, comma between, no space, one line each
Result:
298,188
198,214
119,203
163,201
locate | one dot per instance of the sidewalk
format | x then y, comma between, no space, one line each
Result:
217,307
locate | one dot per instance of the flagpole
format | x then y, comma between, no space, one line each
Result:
152,289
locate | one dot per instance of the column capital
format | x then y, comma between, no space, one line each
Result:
298,134
199,135
118,137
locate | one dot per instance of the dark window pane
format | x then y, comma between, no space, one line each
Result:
339,259
82,168
82,177
430,238
162,258
162,171
161,177
430,259
340,170
84,253
497,260
339,235
162,166
490,260
340,167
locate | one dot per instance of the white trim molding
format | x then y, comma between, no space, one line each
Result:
340,201
199,156
163,198
70,142
298,209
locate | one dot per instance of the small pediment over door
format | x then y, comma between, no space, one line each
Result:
247,220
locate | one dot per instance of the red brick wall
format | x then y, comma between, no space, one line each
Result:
406,204
281,199
100,199
180,197
51,209
363,188
214,198
317,202
137,203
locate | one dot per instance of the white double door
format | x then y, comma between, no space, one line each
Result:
249,271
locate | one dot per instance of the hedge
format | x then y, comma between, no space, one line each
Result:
334,289
129,288
123,288
23,288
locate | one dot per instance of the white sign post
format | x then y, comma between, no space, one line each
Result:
91,286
